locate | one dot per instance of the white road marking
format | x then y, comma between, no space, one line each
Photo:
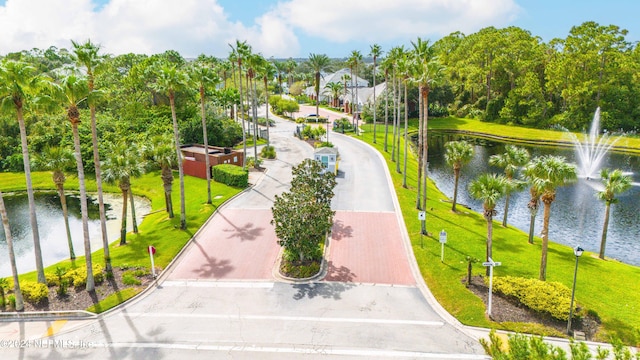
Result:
218,284
290,318
320,350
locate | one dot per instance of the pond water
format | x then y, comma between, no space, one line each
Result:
53,236
577,216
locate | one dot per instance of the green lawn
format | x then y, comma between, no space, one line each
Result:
607,287
156,229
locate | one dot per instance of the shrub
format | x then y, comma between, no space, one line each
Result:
552,298
251,161
34,292
268,152
231,175
129,278
78,276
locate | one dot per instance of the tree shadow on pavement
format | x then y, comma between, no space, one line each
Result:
212,268
246,232
340,231
340,280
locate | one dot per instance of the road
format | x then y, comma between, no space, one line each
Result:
223,298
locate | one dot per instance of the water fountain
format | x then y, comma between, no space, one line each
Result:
592,149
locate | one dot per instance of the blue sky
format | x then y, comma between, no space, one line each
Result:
288,28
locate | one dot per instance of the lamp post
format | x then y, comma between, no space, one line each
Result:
577,251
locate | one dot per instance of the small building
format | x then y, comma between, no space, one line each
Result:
194,162
329,157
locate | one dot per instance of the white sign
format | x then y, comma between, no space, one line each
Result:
443,237
422,215
497,263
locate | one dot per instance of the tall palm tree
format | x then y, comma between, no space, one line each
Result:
345,78
12,256
241,51
122,164
615,182
511,160
70,92
319,63
17,79
404,69
254,62
290,69
488,188
161,152
334,89
268,70
170,79
547,173
356,60
203,75
387,65
457,154
376,51
58,160
86,54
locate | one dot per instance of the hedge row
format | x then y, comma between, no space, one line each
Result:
231,175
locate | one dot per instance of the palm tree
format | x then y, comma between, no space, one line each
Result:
547,173
72,91
87,55
319,63
241,51
375,52
457,154
387,65
253,63
511,160
356,60
170,79
123,163
12,256
334,89
488,188
345,78
58,160
17,79
203,75
290,68
268,70
615,182
404,69
162,152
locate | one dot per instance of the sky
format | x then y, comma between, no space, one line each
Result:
288,28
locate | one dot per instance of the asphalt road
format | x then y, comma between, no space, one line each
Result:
222,298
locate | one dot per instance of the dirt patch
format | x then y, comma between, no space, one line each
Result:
77,298
504,309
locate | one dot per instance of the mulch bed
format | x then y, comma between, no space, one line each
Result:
80,299
504,309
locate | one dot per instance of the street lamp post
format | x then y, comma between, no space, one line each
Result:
577,251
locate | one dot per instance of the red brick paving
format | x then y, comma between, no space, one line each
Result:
367,248
235,244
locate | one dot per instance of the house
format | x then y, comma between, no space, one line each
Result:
329,157
194,162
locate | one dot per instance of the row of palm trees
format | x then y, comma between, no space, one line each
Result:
544,175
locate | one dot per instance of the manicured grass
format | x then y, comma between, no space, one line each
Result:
156,229
607,287
113,300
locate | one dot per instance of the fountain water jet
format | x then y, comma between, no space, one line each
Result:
592,149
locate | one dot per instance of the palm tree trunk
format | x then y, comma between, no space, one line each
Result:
167,181
134,222
456,177
506,209
532,224
374,101
545,241
406,129
123,221
241,113
176,134
255,124
12,257
65,216
206,144
425,145
103,216
398,126
266,99
420,136
83,208
489,240
32,202
395,126
386,111
603,241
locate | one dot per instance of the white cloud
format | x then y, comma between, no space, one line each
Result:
192,27
383,20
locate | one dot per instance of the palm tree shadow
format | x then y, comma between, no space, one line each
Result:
340,231
212,268
247,232
341,274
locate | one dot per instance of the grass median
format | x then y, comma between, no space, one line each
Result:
607,287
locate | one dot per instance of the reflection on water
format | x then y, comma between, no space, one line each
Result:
53,235
577,216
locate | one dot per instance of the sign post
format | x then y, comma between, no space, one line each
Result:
422,215
491,265
152,250
443,240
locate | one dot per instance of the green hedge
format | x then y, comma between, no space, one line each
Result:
231,175
548,297
34,292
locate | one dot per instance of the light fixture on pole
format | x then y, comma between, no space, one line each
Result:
577,251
